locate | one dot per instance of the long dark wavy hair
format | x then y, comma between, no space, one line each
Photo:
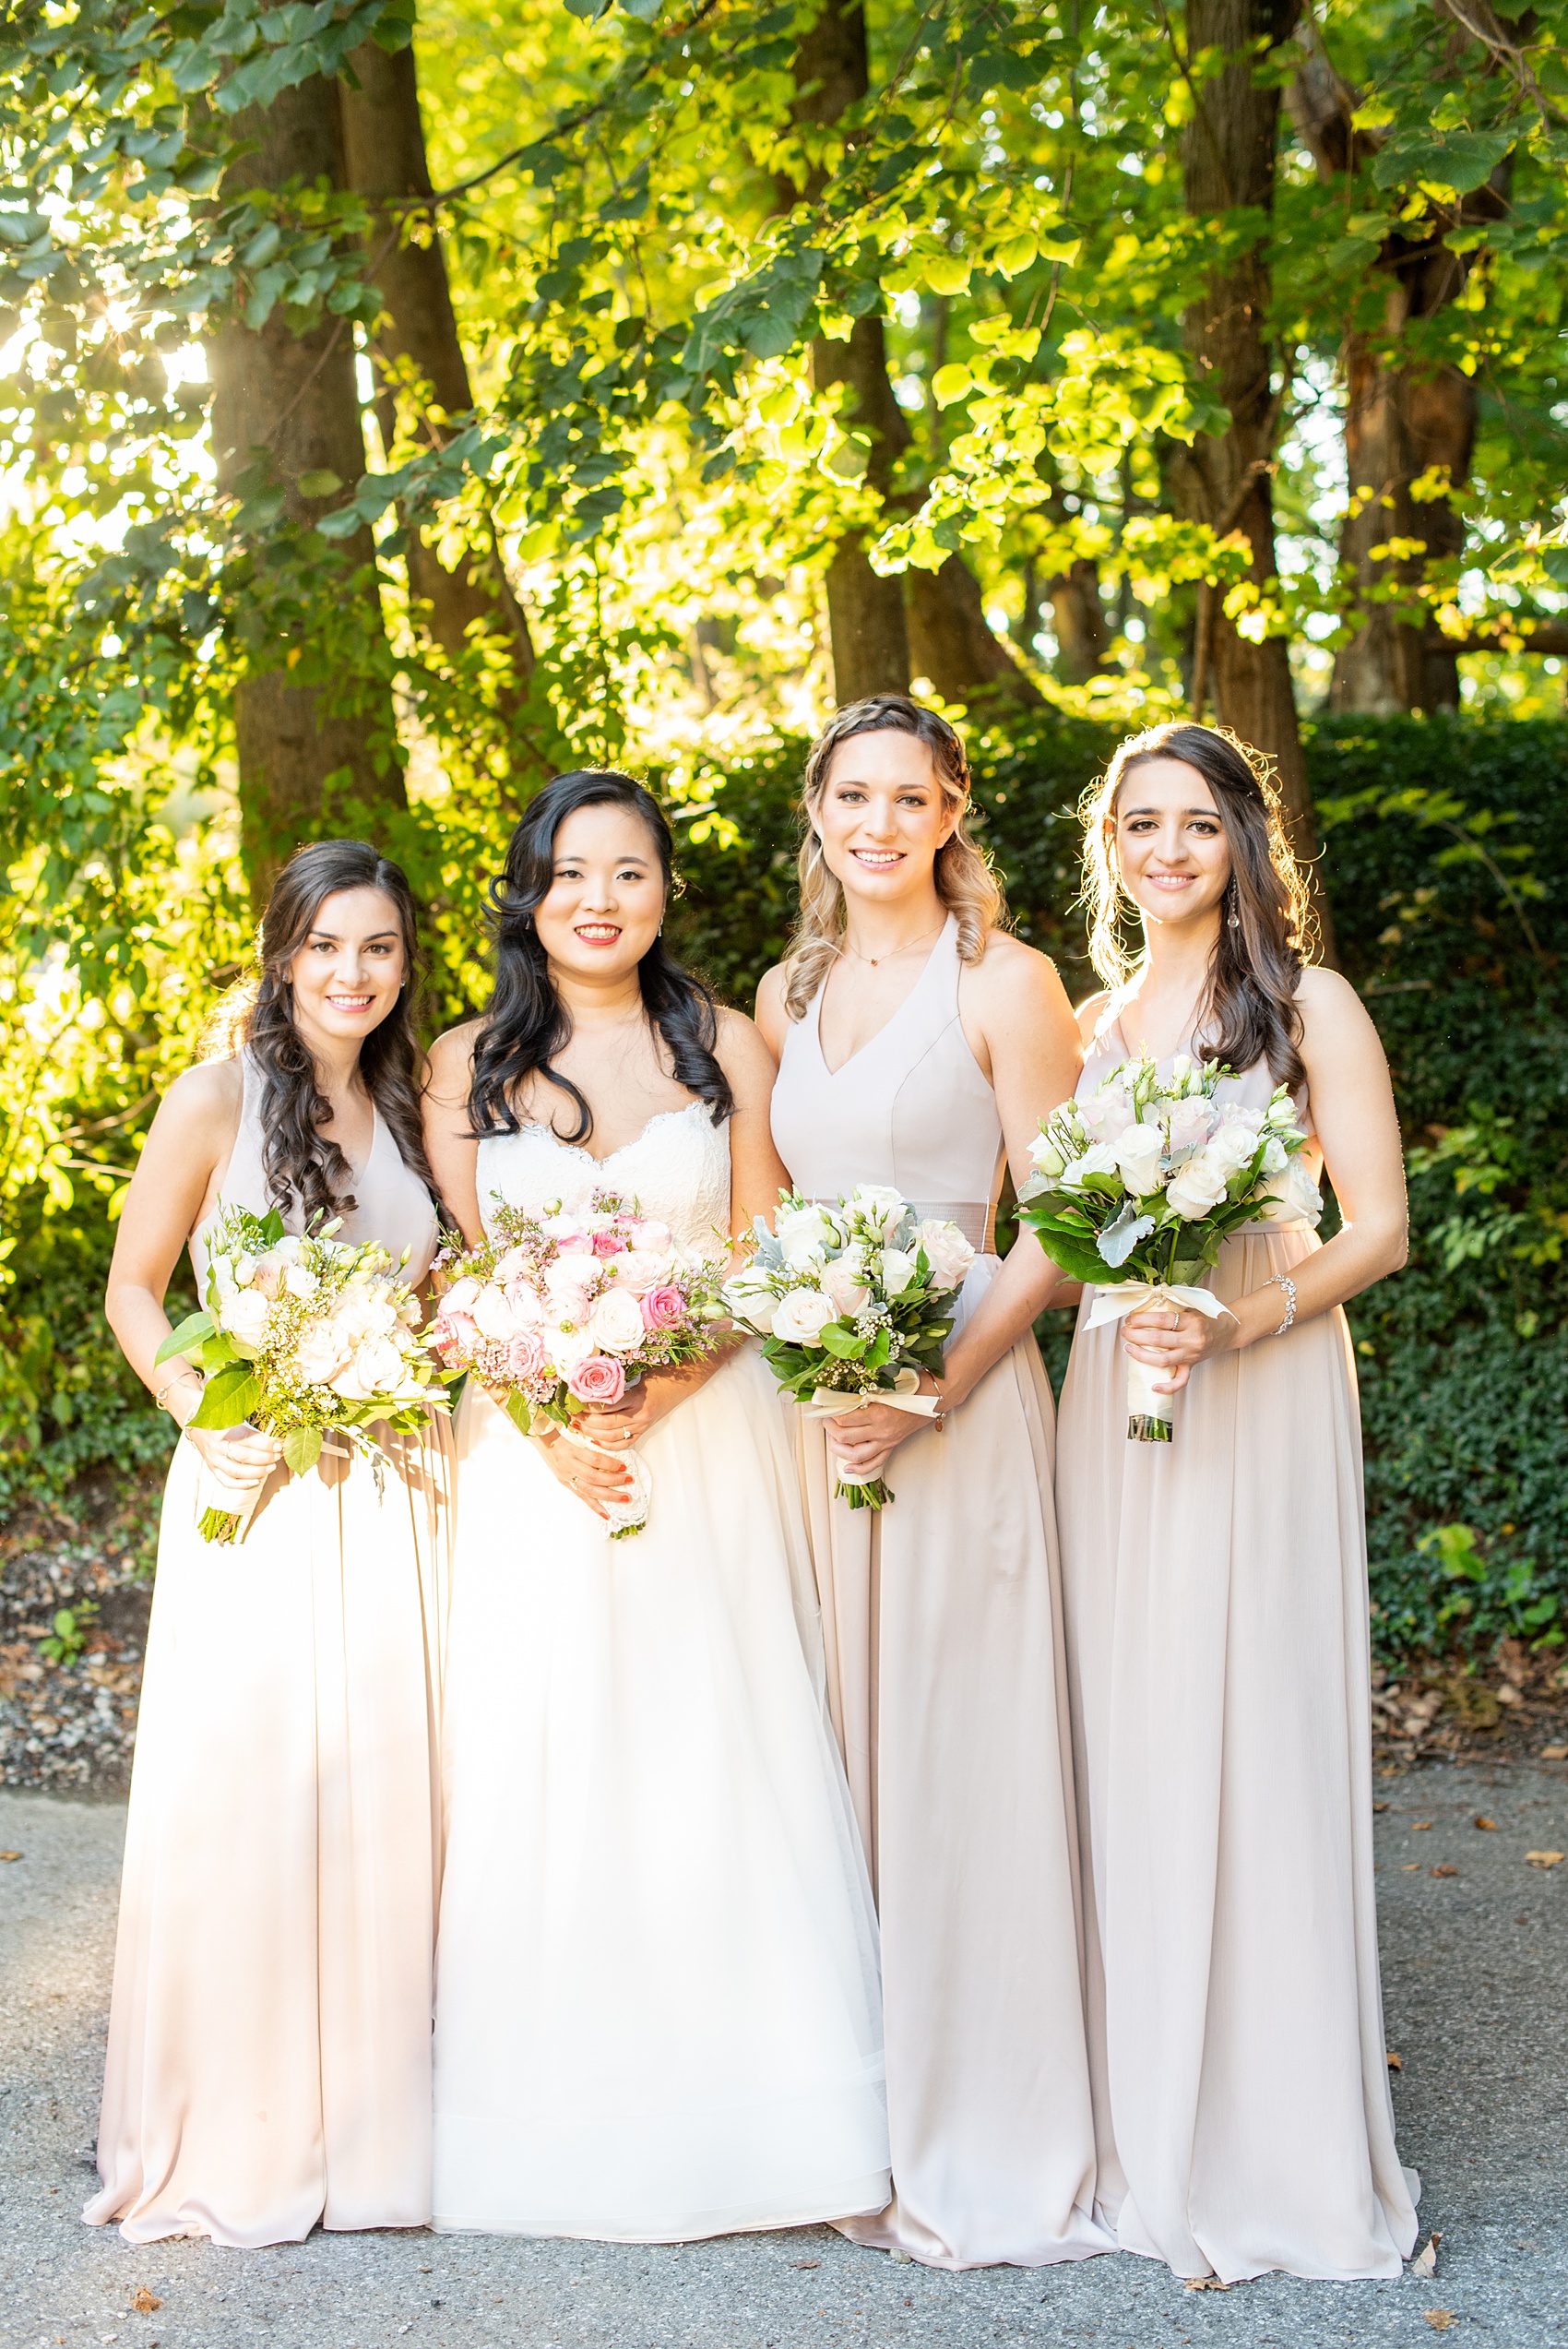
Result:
1250,1013
304,1168
527,1023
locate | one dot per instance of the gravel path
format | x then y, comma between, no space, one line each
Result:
1478,2009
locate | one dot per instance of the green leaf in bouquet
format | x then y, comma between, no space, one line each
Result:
1078,1257
301,1448
518,1411
229,1398
192,1332
839,1338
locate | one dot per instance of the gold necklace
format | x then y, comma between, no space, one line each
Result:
893,956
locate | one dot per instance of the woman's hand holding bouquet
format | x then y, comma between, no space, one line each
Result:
559,1315
1136,1189
300,1336
845,1298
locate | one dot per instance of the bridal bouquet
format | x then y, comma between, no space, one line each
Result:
299,1336
845,1298
1136,1189
560,1313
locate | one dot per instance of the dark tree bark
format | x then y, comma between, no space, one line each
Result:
880,627
1228,161
383,148
1400,420
1083,632
291,402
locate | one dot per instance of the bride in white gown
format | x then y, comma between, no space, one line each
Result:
657,2007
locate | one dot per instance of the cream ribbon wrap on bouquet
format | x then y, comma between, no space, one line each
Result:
213,1499
631,1515
1150,1413
831,1403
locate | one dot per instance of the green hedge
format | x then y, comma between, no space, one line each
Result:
1444,844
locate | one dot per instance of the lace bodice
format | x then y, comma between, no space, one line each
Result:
677,1169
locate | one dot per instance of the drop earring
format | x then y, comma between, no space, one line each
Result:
1235,919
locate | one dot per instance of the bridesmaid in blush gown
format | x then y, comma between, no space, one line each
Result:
656,2006
919,1046
269,2039
1216,1590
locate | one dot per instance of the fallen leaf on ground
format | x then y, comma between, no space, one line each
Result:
1440,2319
144,2302
1411,1867
1205,2284
1419,1826
807,2263
1554,1753
1486,1822
1543,1859
10,1855
1395,2063
1380,1806
1446,1870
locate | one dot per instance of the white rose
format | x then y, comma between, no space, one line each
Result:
616,1325
752,1303
1099,1158
300,1281
1199,1185
1293,1197
636,1269
844,1282
877,1204
947,1252
1276,1158
493,1316
803,1233
1137,1153
245,1313
245,1270
566,1348
323,1350
897,1270
287,1250
377,1370
801,1315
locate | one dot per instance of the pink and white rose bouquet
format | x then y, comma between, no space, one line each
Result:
1136,1189
559,1313
301,1336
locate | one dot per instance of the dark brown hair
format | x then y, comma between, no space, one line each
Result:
305,1170
1250,1013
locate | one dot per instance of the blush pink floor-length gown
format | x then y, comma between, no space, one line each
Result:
943,1619
269,2041
1216,1637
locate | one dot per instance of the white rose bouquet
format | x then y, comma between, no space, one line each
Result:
301,1336
1136,1189
559,1313
845,1301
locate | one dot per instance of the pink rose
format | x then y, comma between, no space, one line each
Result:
639,1270
324,1349
597,1378
663,1308
573,1244
528,1309
566,1283
617,1325
609,1244
648,1233
1107,1114
461,1295
456,1338
525,1356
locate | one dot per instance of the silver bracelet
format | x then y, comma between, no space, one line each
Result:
1284,1281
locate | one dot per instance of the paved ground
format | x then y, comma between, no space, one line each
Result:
1478,2009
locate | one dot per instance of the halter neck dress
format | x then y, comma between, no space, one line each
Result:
269,2060
942,1615
1217,1637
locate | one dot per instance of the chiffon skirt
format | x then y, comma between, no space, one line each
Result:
269,2039
657,2010
1217,1629
942,1615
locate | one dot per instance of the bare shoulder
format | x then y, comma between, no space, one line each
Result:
741,1051
211,1094
1329,1006
1009,969
449,1062
772,1011
1089,1014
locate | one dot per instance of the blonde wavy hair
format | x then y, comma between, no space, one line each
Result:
965,880
1265,931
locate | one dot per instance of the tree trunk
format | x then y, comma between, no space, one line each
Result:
1083,634
1228,161
383,148
1399,421
952,642
875,623
289,402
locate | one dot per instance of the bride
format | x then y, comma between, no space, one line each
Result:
657,2005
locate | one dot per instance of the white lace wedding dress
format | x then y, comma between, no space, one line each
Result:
657,2015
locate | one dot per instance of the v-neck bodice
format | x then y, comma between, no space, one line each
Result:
912,1107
